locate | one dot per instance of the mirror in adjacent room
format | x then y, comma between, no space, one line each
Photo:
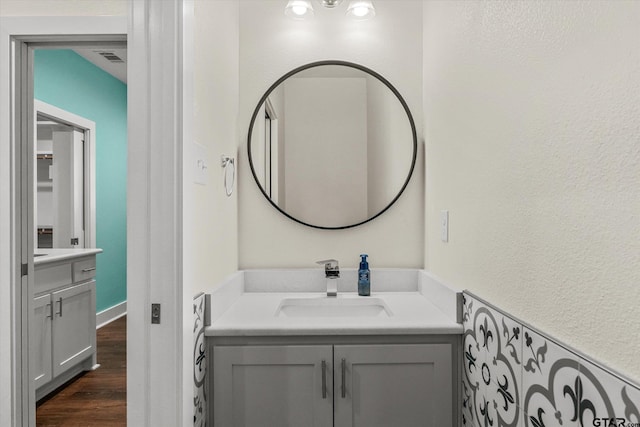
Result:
332,145
63,185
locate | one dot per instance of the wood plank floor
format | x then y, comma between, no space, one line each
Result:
97,398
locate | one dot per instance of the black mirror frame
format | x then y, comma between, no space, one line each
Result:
346,64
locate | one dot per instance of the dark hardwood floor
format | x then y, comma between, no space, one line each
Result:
96,398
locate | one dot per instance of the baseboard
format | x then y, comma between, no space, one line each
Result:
110,314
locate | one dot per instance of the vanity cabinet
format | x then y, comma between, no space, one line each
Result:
273,386
334,385
40,335
63,336
393,385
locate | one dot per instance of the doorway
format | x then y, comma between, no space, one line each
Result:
18,121
158,380
80,113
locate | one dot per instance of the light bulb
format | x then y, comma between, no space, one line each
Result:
361,9
298,9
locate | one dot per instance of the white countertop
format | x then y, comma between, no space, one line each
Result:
46,256
243,308
255,314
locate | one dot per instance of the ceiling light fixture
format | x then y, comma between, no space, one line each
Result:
298,9
330,3
361,10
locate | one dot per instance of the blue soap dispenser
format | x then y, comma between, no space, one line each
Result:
364,281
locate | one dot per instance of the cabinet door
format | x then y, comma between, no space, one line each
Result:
74,325
393,385
40,336
273,386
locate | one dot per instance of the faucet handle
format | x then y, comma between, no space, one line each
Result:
331,267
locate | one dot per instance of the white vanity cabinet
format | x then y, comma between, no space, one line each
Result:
63,336
339,385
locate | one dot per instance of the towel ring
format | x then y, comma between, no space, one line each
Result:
229,170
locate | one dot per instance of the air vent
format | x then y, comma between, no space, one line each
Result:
110,56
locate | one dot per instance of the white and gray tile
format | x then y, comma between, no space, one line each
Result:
550,375
199,364
606,399
491,364
468,412
516,376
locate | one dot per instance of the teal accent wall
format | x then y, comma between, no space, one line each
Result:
68,81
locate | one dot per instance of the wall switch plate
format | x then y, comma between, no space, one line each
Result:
200,164
444,226
155,313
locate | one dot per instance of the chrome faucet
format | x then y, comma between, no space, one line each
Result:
332,273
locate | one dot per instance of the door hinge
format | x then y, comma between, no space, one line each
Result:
25,269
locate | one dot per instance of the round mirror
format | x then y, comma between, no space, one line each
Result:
332,144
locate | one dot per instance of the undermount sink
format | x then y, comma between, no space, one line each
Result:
333,307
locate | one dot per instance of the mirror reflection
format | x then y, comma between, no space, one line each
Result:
60,178
332,145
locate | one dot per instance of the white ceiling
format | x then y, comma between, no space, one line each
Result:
98,56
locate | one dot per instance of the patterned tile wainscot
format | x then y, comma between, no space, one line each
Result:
515,376
199,363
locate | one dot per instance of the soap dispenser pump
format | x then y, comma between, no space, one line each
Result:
364,280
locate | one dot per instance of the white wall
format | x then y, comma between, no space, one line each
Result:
210,217
210,113
271,45
533,144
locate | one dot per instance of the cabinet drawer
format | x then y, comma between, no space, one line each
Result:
84,270
52,277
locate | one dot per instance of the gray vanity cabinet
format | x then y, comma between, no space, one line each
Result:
74,326
63,336
273,386
40,335
333,385
393,385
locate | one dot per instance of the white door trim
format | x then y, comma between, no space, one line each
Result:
156,355
89,128
17,394
156,394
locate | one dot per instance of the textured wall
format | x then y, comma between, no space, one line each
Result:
66,80
271,45
533,145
